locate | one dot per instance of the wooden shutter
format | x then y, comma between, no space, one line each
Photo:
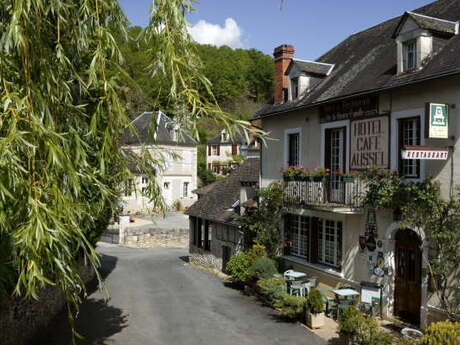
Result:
234,149
218,150
209,150
209,166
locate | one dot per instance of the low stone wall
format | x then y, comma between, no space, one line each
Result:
206,260
150,237
22,319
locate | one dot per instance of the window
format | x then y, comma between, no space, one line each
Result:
166,185
409,134
145,180
129,187
215,150
304,232
410,55
185,189
224,136
293,149
330,242
295,88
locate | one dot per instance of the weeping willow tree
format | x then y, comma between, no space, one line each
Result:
61,117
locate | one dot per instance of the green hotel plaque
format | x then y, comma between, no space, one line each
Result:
438,121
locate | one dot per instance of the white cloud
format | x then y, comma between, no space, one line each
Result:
208,33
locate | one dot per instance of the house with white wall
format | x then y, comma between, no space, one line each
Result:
223,148
176,176
371,100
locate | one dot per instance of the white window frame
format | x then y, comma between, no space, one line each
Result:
286,144
185,186
214,150
333,125
405,50
322,258
394,146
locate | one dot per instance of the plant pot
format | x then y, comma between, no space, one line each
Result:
318,178
315,320
348,179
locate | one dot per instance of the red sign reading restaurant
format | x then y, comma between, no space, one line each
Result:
425,152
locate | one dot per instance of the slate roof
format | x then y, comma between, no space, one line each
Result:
366,63
155,128
216,205
310,67
206,189
429,23
238,138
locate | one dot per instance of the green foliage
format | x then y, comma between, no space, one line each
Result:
63,111
442,333
238,267
262,225
315,302
262,267
422,207
361,329
292,307
271,288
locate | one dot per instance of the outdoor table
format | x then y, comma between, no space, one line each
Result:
294,275
345,293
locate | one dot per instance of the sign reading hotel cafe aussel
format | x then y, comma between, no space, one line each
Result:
369,143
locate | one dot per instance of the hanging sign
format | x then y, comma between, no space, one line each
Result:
369,143
438,121
425,152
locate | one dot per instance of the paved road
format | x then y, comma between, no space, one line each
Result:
156,299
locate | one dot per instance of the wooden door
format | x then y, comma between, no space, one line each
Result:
408,277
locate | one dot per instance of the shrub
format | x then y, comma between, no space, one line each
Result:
257,251
271,288
262,267
315,302
442,333
361,330
292,307
238,267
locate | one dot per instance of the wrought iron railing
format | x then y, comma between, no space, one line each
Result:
325,191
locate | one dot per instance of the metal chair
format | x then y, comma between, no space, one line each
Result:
297,289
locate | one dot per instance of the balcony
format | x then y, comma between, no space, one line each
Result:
327,192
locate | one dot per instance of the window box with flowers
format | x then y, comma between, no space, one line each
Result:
295,173
319,174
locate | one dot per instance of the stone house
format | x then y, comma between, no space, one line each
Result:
371,100
215,233
222,149
176,176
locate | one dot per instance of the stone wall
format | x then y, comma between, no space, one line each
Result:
22,319
149,237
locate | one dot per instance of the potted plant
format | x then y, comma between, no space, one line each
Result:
315,309
294,173
347,176
320,174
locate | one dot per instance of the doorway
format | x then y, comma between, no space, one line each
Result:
408,276
226,254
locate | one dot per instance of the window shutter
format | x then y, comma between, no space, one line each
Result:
327,149
218,150
209,150
234,149
209,166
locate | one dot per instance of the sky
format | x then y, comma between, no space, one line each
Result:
312,26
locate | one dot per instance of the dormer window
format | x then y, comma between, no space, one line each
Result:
410,55
224,136
295,88
418,37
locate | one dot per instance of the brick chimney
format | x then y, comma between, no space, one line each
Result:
282,56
